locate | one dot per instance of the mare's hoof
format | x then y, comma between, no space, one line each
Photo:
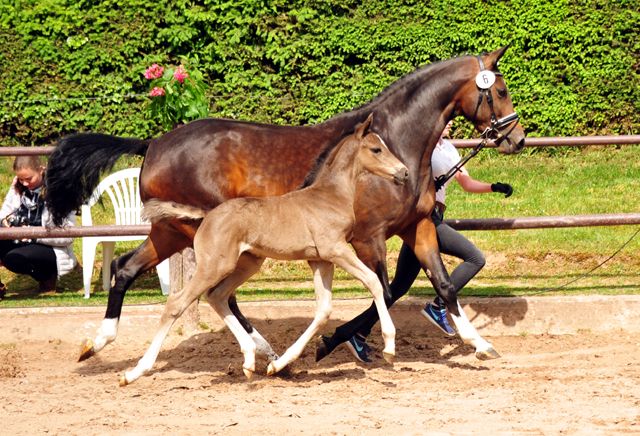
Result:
123,381
86,350
322,350
488,354
248,373
388,357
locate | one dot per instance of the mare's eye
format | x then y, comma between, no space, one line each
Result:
376,150
502,93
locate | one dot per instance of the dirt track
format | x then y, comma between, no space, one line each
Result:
583,383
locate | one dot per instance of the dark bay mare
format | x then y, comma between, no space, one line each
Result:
209,161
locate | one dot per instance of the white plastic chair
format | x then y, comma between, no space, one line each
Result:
124,191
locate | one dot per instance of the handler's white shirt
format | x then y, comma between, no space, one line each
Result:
444,157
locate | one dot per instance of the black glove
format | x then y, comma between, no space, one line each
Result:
505,188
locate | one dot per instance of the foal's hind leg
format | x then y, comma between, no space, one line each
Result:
263,349
176,305
162,242
218,298
322,278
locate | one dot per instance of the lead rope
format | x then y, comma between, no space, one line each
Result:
561,286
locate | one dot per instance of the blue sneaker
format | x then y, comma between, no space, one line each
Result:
438,317
359,348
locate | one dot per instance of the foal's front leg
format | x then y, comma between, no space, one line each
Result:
348,261
322,279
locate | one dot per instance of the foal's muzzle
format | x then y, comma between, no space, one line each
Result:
401,176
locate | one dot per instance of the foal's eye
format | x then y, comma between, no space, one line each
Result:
502,93
376,150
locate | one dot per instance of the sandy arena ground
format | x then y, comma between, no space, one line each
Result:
587,382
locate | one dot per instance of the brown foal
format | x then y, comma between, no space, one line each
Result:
313,224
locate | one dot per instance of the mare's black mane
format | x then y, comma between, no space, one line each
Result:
325,152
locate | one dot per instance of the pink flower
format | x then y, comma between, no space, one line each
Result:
153,72
156,92
180,74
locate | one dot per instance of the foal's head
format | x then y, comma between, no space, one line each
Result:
375,157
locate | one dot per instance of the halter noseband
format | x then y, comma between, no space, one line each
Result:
484,82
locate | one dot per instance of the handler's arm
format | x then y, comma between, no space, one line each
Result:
470,185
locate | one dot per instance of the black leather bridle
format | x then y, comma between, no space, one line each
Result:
491,132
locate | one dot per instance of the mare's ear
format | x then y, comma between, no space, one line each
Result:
494,57
365,128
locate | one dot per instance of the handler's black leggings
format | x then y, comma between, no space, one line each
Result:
451,243
36,260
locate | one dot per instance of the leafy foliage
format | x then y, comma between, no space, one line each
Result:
574,68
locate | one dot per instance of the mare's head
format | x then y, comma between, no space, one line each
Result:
375,157
485,101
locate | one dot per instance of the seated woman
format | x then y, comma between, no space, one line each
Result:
43,259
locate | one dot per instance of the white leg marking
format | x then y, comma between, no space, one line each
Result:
106,333
220,304
468,333
263,349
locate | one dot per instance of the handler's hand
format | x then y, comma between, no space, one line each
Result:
5,223
505,188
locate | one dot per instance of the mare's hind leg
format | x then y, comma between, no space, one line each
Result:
427,251
163,241
322,278
218,298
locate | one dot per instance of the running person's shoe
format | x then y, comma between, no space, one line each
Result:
359,348
438,317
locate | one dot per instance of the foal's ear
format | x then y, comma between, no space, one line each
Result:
494,57
365,128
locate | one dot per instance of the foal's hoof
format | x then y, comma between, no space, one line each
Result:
271,369
488,354
388,357
86,350
322,350
123,381
248,373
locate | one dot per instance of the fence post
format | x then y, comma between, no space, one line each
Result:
182,266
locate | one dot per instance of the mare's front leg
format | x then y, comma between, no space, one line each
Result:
425,247
347,260
218,298
322,279
163,241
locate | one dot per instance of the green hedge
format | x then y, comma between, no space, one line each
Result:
574,68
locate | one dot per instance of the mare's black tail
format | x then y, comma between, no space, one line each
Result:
75,167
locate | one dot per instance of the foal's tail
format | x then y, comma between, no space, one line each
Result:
75,167
155,210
